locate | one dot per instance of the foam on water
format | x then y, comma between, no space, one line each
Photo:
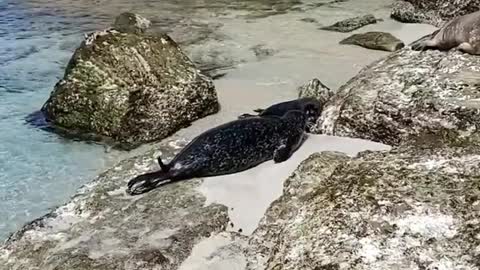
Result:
39,170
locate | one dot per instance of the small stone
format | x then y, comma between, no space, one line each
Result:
351,24
309,20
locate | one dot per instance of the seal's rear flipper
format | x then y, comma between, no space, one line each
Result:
424,42
146,182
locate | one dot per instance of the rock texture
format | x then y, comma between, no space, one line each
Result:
407,209
103,228
375,40
130,87
425,97
315,88
351,24
435,12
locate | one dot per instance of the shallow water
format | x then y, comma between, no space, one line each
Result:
39,170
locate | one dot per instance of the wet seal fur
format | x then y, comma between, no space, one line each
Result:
229,148
462,33
308,105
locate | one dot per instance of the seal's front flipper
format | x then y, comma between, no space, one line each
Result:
145,182
259,110
246,115
281,154
288,147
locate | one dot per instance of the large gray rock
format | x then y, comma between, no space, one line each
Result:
435,12
103,228
426,97
407,209
130,87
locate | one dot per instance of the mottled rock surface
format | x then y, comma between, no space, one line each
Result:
435,12
315,88
103,228
407,209
427,97
375,41
351,24
129,87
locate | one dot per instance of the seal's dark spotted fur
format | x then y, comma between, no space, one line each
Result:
229,148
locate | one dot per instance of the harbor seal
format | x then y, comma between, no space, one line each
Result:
462,33
229,148
308,105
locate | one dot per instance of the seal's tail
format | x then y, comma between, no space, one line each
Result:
146,182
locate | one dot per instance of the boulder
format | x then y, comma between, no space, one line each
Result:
351,24
409,208
435,12
375,40
129,87
104,228
409,96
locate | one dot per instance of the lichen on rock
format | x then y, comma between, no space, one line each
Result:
409,208
130,87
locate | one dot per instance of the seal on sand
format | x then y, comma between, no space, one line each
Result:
229,148
462,32
308,105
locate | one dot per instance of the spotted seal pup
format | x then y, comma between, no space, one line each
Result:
462,33
310,106
229,148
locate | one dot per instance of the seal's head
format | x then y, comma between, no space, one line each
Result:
312,109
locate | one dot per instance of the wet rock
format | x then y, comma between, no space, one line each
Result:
103,228
315,88
262,52
408,96
405,209
375,40
128,22
351,24
435,12
130,87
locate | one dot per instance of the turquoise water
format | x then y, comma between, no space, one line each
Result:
38,169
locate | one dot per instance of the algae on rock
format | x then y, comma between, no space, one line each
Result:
130,87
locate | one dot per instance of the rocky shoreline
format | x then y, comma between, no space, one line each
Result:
416,206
